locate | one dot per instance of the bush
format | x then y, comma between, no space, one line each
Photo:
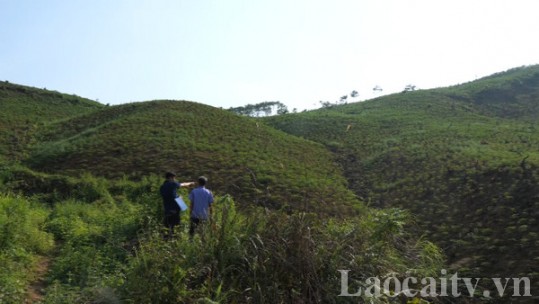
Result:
21,224
97,240
51,188
21,239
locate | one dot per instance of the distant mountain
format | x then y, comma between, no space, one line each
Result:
239,155
463,159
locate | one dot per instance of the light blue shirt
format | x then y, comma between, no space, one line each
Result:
201,198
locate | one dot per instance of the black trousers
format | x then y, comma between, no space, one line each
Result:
195,222
172,218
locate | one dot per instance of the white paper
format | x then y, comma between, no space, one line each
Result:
181,203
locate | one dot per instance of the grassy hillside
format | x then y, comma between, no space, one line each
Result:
240,156
23,110
510,94
463,159
71,237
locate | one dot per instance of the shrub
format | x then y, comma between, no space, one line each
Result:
97,239
21,239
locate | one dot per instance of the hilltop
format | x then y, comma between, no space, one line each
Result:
464,160
509,94
255,163
24,109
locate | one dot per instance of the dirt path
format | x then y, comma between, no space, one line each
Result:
36,290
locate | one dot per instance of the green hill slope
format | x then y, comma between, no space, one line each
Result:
463,159
23,110
240,156
510,94
108,244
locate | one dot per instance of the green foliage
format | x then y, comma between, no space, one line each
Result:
251,161
20,223
463,160
24,110
261,109
97,240
22,238
266,256
509,94
113,251
51,188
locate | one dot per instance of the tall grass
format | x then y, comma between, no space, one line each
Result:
22,238
111,248
263,256
96,241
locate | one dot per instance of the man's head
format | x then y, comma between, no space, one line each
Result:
202,180
170,175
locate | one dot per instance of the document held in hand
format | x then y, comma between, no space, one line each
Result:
181,203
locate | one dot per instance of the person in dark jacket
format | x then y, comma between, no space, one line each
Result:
169,194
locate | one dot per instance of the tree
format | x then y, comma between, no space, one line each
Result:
281,109
342,100
377,88
409,88
265,108
325,104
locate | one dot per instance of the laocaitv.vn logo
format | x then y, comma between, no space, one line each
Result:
446,285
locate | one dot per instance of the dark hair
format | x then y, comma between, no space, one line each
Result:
202,180
170,175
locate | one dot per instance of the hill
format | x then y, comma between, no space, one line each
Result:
24,109
463,159
240,156
92,238
466,170
509,94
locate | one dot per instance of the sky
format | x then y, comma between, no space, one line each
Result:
229,53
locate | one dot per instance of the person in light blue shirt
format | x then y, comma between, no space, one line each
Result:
201,200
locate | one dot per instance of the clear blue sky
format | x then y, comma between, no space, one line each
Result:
234,52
